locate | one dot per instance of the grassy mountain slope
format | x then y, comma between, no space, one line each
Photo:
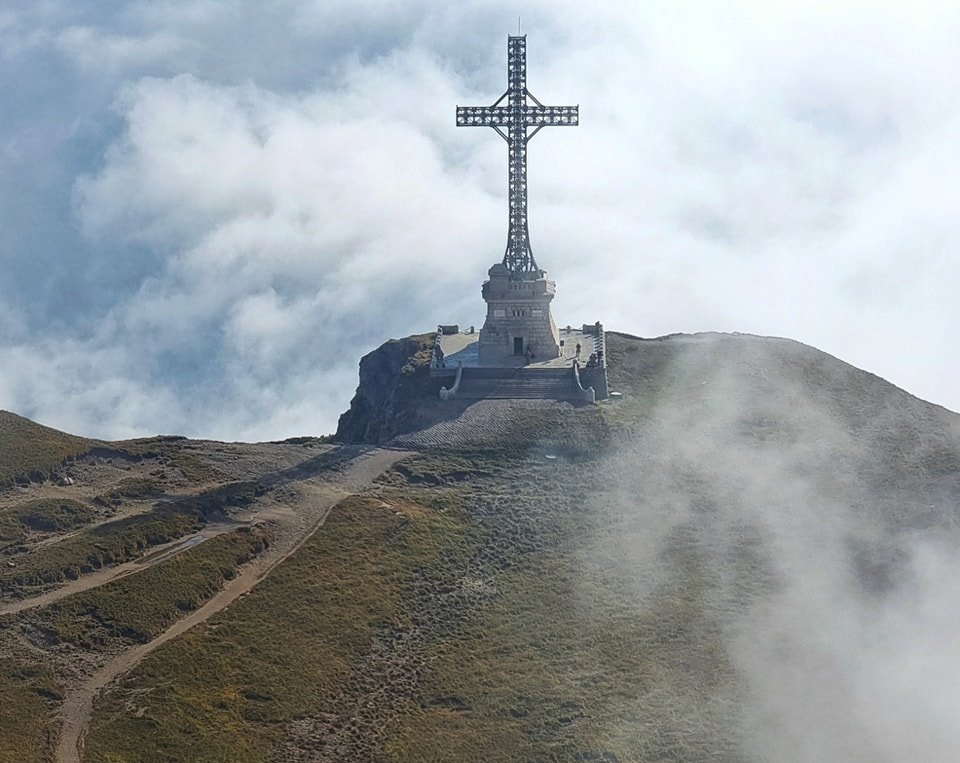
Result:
73,509
744,559
29,448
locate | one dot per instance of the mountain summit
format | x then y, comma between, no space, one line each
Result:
749,555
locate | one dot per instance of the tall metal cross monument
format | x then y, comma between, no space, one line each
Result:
514,122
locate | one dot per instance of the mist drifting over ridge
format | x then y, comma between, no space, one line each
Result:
813,508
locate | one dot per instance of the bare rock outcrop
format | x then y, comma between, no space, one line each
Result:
395,394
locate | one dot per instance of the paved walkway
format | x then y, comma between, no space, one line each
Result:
464,348
487,423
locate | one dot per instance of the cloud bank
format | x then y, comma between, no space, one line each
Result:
211,210
810,511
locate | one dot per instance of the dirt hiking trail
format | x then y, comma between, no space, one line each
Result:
159,554
302,511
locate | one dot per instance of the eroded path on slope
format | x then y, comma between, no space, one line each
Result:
296,515
158,554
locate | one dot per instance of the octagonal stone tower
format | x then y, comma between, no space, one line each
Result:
518,324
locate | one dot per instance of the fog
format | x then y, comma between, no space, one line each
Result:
820,506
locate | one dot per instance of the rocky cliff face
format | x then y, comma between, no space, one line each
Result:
395,394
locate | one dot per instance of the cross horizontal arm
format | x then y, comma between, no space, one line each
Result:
483,116
562,116
532,116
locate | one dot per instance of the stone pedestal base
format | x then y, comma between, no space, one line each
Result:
519,326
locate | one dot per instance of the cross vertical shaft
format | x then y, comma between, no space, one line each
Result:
522,121
518,251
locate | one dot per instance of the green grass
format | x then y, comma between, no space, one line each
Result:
224,690
556,660
558,666
31,450
643,370
111,543
120,540
458,622
135,488
139,607
172,451
132,609
46,515
194,468
28,697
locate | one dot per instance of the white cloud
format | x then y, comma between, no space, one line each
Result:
301,195
294,226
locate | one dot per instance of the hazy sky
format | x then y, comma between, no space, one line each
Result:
210,209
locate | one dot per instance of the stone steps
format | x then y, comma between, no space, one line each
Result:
517,384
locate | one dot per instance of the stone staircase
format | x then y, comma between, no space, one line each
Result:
518,384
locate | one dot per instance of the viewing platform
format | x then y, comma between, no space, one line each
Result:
463,348
575,377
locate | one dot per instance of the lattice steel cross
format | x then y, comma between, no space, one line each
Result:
518,117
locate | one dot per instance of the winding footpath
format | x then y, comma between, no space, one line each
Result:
160,553
297,522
